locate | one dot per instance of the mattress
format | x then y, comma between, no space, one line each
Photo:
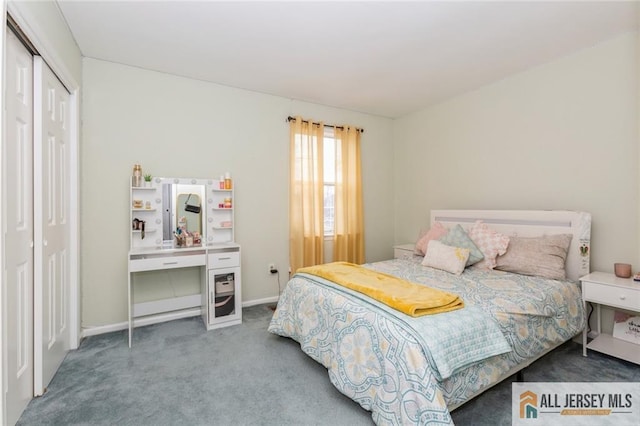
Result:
391,364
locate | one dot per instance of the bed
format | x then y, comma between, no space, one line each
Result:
415,370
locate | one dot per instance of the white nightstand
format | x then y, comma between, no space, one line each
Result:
403,251
606,289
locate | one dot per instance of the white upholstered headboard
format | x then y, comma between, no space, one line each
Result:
531,223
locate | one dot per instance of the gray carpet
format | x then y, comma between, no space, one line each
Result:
178,373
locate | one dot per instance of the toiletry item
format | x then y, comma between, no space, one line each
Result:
227,203
141,227
182,222
136,179
221,182
227,180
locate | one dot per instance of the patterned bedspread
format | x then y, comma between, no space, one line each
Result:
407,372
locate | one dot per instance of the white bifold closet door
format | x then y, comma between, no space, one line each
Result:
36,182
51,223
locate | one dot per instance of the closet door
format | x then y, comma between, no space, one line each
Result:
51,224
17,194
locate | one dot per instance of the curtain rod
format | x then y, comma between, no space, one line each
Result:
326,125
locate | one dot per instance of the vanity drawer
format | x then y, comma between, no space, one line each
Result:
225,259
612,295
153,263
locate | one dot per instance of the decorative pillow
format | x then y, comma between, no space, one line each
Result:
417,248
447,258
540,256
490,243
436,232
457,237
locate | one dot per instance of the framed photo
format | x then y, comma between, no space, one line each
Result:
626,327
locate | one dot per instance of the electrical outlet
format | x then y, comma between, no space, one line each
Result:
272,268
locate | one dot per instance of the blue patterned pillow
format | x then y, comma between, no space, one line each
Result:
457,237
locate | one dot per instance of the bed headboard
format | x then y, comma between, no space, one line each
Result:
532,223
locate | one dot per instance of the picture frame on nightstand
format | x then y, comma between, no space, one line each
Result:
626,327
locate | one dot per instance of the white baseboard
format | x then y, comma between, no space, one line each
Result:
154,319
139,322
264,301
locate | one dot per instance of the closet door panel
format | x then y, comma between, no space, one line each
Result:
17,193
52,228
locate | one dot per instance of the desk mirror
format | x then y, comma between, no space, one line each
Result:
182,206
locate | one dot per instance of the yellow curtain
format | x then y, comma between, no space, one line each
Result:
306,194
348,242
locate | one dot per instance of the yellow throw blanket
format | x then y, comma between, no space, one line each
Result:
411,298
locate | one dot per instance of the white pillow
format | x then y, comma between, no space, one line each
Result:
446,258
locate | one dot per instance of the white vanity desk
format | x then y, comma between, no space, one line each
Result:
214,261
202,207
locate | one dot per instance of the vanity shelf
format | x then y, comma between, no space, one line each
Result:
152,216
217,214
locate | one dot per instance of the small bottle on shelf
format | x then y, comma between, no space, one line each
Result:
227,181
136,180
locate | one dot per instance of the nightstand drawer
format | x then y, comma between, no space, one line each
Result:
620,297
402,254
403,251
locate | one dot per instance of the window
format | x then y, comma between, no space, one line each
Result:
329,177
325,197
329,160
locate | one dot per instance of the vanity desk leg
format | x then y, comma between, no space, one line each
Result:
129,309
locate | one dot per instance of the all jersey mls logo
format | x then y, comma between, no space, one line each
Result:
575,403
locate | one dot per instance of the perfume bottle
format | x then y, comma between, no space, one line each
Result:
136,180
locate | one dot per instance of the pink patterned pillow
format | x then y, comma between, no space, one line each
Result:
491,243
436,232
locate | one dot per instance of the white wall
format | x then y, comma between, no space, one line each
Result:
563,135
560,136
175,126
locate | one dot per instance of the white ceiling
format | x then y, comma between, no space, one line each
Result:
384,58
